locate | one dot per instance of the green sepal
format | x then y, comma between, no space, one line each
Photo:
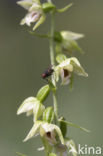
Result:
65,8
71,45
48,115
34,130
60,58
47,7
25,4
78,69
63,127
38,111
43,93
58,37
74,125
40,21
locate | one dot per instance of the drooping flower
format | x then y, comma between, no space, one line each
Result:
31,106
66,41
46,130
67,67
35,13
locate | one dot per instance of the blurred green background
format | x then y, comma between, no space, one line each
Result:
23,58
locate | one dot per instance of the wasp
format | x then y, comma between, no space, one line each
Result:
47,73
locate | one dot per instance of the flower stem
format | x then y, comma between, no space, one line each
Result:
52,58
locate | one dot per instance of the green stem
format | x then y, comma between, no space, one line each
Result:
52,58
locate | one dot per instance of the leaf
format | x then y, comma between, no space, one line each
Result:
41,20
74,125
65,8
33,131
43,93
60,58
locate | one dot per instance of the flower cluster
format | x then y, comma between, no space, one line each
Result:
46,123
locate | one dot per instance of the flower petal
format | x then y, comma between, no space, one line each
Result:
34,130
27,105
26,4
67,35
78,69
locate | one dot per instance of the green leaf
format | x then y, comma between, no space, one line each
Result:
60,58
48,115
41,20
74,125
65,8
63,127
43,93
47,7
20,154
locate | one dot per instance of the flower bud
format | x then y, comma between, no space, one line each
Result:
48,115
43,93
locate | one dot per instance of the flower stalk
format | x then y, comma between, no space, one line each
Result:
52,58
46,121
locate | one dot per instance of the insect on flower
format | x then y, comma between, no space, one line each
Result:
47,72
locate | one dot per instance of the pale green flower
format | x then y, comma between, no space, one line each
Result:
47,130
67,41
35,13
66,67
31,106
